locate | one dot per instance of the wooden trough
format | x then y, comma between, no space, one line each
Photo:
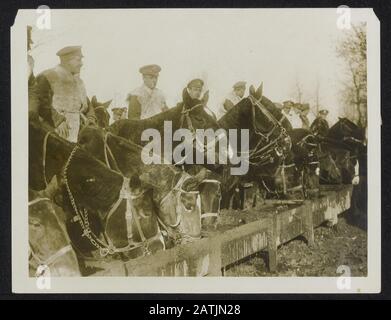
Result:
270,227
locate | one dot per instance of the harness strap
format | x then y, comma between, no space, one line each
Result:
49,261
107,150
36,200
209,214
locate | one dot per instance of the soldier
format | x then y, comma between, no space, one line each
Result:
233,98
147,100
119,113
62,96
320,125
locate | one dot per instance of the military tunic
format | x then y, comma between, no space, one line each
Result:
145,103
62,97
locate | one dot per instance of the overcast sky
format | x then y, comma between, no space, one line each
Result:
278,47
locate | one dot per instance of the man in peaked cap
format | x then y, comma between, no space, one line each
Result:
147,100
194,88
62,95
233,98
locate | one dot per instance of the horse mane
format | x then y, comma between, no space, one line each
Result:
336,130
123,127
277,114
231,119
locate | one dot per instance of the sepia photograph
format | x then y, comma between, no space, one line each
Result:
196,150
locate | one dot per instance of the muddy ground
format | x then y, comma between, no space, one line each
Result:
342,244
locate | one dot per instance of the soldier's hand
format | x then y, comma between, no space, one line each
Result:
63,130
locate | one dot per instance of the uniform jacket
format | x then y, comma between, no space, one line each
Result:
145,103
60,93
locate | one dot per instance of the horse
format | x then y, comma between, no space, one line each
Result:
97,200
49,244
281,158
101,113
175,192
344,142
184,115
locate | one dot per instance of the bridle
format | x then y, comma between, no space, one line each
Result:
55,256
262,155
177,191
124,194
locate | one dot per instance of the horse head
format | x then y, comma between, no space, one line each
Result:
49,242
195,114
101,113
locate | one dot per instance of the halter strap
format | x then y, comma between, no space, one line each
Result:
107,151
53,258
49,261
124,194
36,200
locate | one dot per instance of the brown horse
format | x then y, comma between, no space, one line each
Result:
50,246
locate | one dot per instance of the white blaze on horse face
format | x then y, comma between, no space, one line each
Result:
243,158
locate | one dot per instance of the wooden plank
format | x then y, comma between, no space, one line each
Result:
208,256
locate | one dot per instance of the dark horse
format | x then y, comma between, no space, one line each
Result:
344,143
101,113
106,212
174,192
282,159
189,114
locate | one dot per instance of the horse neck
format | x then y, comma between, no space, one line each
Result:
57,153
126,155
157,121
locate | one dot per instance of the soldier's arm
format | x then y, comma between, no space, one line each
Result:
228,104
45,108
134,109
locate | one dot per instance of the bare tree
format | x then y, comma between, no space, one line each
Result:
353,50
297,91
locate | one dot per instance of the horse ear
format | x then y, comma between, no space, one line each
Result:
94,101
205,98
251,90
107,103
259,92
